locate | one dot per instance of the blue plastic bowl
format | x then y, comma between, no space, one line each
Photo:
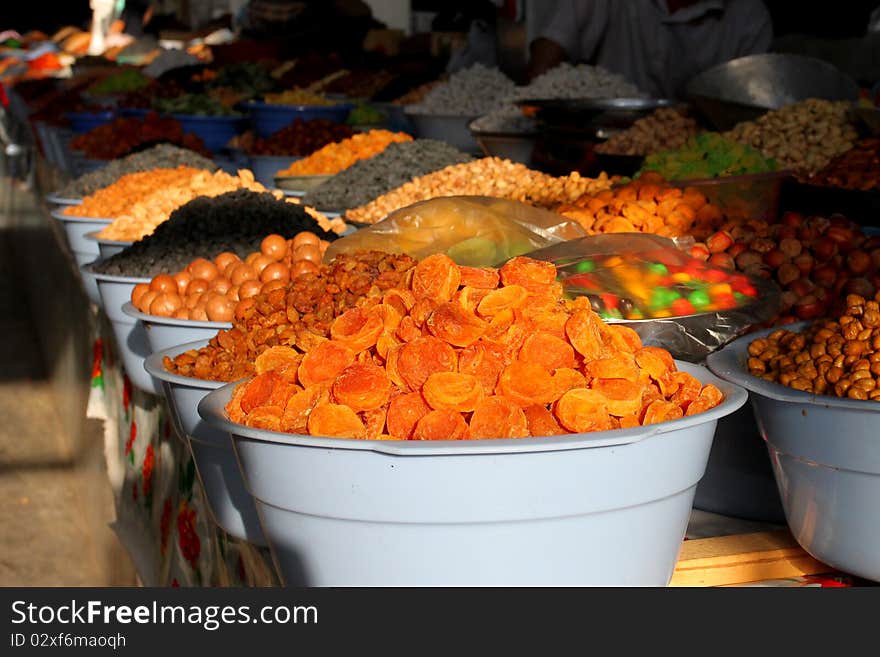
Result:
266,167
268,119
137,112
231,160
825,453
215,131
81,122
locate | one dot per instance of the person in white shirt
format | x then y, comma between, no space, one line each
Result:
656,44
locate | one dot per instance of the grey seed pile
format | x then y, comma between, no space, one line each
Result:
578,81
509,118
368,179
470,92
161,156
206,227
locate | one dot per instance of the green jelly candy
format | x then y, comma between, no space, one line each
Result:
585,267
699,298
658,268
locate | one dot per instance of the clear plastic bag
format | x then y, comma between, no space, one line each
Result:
652,285
472,230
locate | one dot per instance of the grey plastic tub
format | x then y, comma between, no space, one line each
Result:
607,508
825,453
107,248
452,129
90,281
131,337
166,332
77,229
232,507
54,199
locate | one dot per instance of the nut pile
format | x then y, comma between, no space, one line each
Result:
340,155
802,137
858,168
121,136
461,353
300,314
666,128
832,357
470,92
300,138
489,176
578,81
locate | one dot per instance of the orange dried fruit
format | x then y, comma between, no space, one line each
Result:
233,406
527,384
510,297
661,411
583,332
441,425
335,421
622,397
470,297
385,343
324,363
565,378
630,421
374,422
541,421
484,362
265,417
362,387
632,339
533,275
453,391
622,366
283,360
687,391
400,300
299,406
282,391
407,331
437,278
711,394
389,315
258,391
498,417
391,359
653,363
581,410
484,278
455,325
500,324
422,310
419,359
358,328
404,412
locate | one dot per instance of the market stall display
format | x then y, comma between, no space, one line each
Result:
301,137
278,110
124,135
708,155
339,155
664,129
215,123
857,168
577,81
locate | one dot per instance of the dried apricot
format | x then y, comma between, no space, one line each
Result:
453,391
533,275
484,362
711,394
258,391
386,342
566,378
455,325
652,363
632,339
661,411
404,412
233,406
335,421
282,391
400,300
374,422
583,333
541,421
265,417
283,360
391,359
687,391
441,425
299,406
498,417
630,421
437,278
622,366
622,397
470,297
358,328
419,359
509,297
484,278
527,384
581,410
362,387
324,363
407,330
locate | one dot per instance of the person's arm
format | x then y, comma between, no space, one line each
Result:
544,54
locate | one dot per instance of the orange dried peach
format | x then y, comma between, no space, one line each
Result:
498,417
283,360
404,412
400,300
652,363
622,366
541,421
362,387
265,417
335,421
533,275
527,384
661,411
484,362
299,406
258,391
437,278
632,339
391,360
583,332
581,410
484,278
470,297
565,378
324,363
453,391
358,328
419,359
374,422
508,297
622,397
688,389
441,425
455,325
630,421
407,331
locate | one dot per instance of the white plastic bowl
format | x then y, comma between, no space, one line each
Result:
452,129
131,337
85,250
90,281
54,199
825,453
231,505
608,508
166,332
107,248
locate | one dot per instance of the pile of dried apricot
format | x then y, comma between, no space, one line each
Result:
468,353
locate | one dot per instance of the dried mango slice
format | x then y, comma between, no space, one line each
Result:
283,360
533,275
404,412
498,417
299,406
362,387
548,351
652,363
453,391
484,278
632,339
508,297
407,331
324,363
335,421
258,391
358,328
581,410
419,359
527,384
455,325
265,417
374,422
541,421
622,366
437,278
622,397
583,333
441,425
484,362
661,411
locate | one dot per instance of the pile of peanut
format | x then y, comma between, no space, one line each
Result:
665,129
489,176
803,137
840,358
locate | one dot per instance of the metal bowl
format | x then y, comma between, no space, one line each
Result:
604,115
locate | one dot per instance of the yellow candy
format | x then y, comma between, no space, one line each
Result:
719,289
681,277
663,313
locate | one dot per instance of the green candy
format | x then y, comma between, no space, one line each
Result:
658,268
698,298
585,267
